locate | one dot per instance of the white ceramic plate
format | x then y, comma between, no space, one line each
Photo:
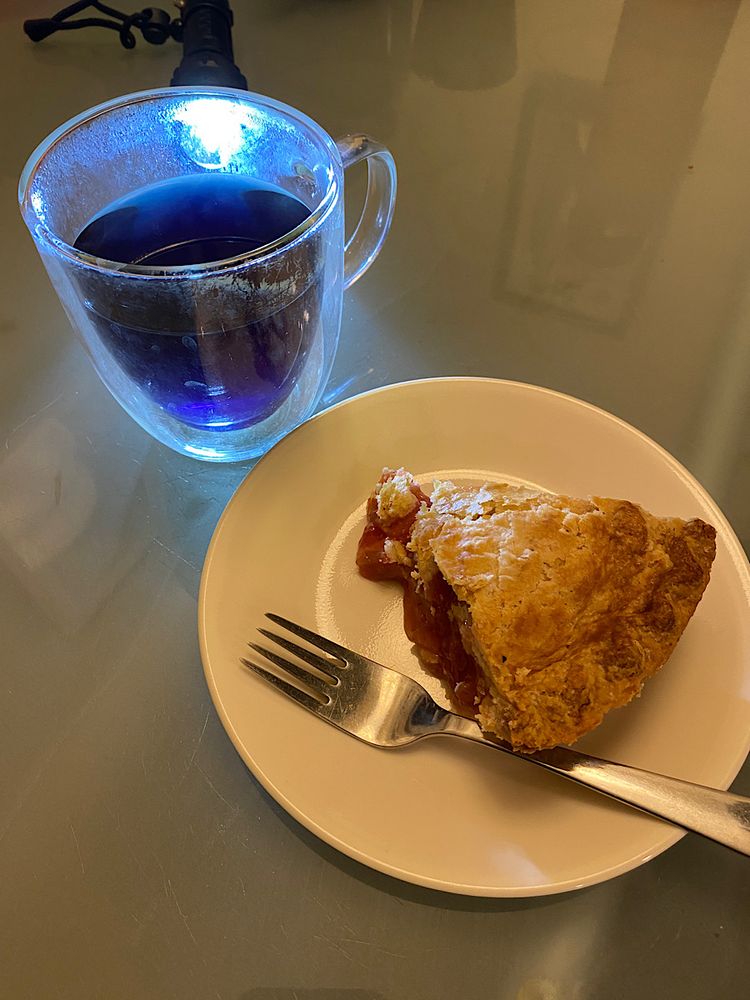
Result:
443,813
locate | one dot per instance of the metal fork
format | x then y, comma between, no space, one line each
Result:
387,709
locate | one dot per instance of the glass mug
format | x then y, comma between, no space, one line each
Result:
217,360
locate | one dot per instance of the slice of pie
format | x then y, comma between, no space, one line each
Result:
539,612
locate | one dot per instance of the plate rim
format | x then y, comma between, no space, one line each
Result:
672,834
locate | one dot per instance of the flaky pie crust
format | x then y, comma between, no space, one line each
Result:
567,605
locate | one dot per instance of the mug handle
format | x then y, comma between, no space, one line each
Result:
364,244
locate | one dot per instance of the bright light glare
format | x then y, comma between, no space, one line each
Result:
37,203
216,129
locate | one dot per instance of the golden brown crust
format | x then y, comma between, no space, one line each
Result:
571,604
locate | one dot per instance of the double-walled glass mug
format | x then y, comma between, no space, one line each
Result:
216,359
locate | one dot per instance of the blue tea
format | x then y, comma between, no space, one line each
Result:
224,359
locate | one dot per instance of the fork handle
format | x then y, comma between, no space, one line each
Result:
717,815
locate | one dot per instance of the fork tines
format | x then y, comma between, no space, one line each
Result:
311,684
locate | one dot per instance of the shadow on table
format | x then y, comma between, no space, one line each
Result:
470,46
579,241
289,993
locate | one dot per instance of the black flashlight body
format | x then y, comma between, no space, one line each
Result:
208,58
